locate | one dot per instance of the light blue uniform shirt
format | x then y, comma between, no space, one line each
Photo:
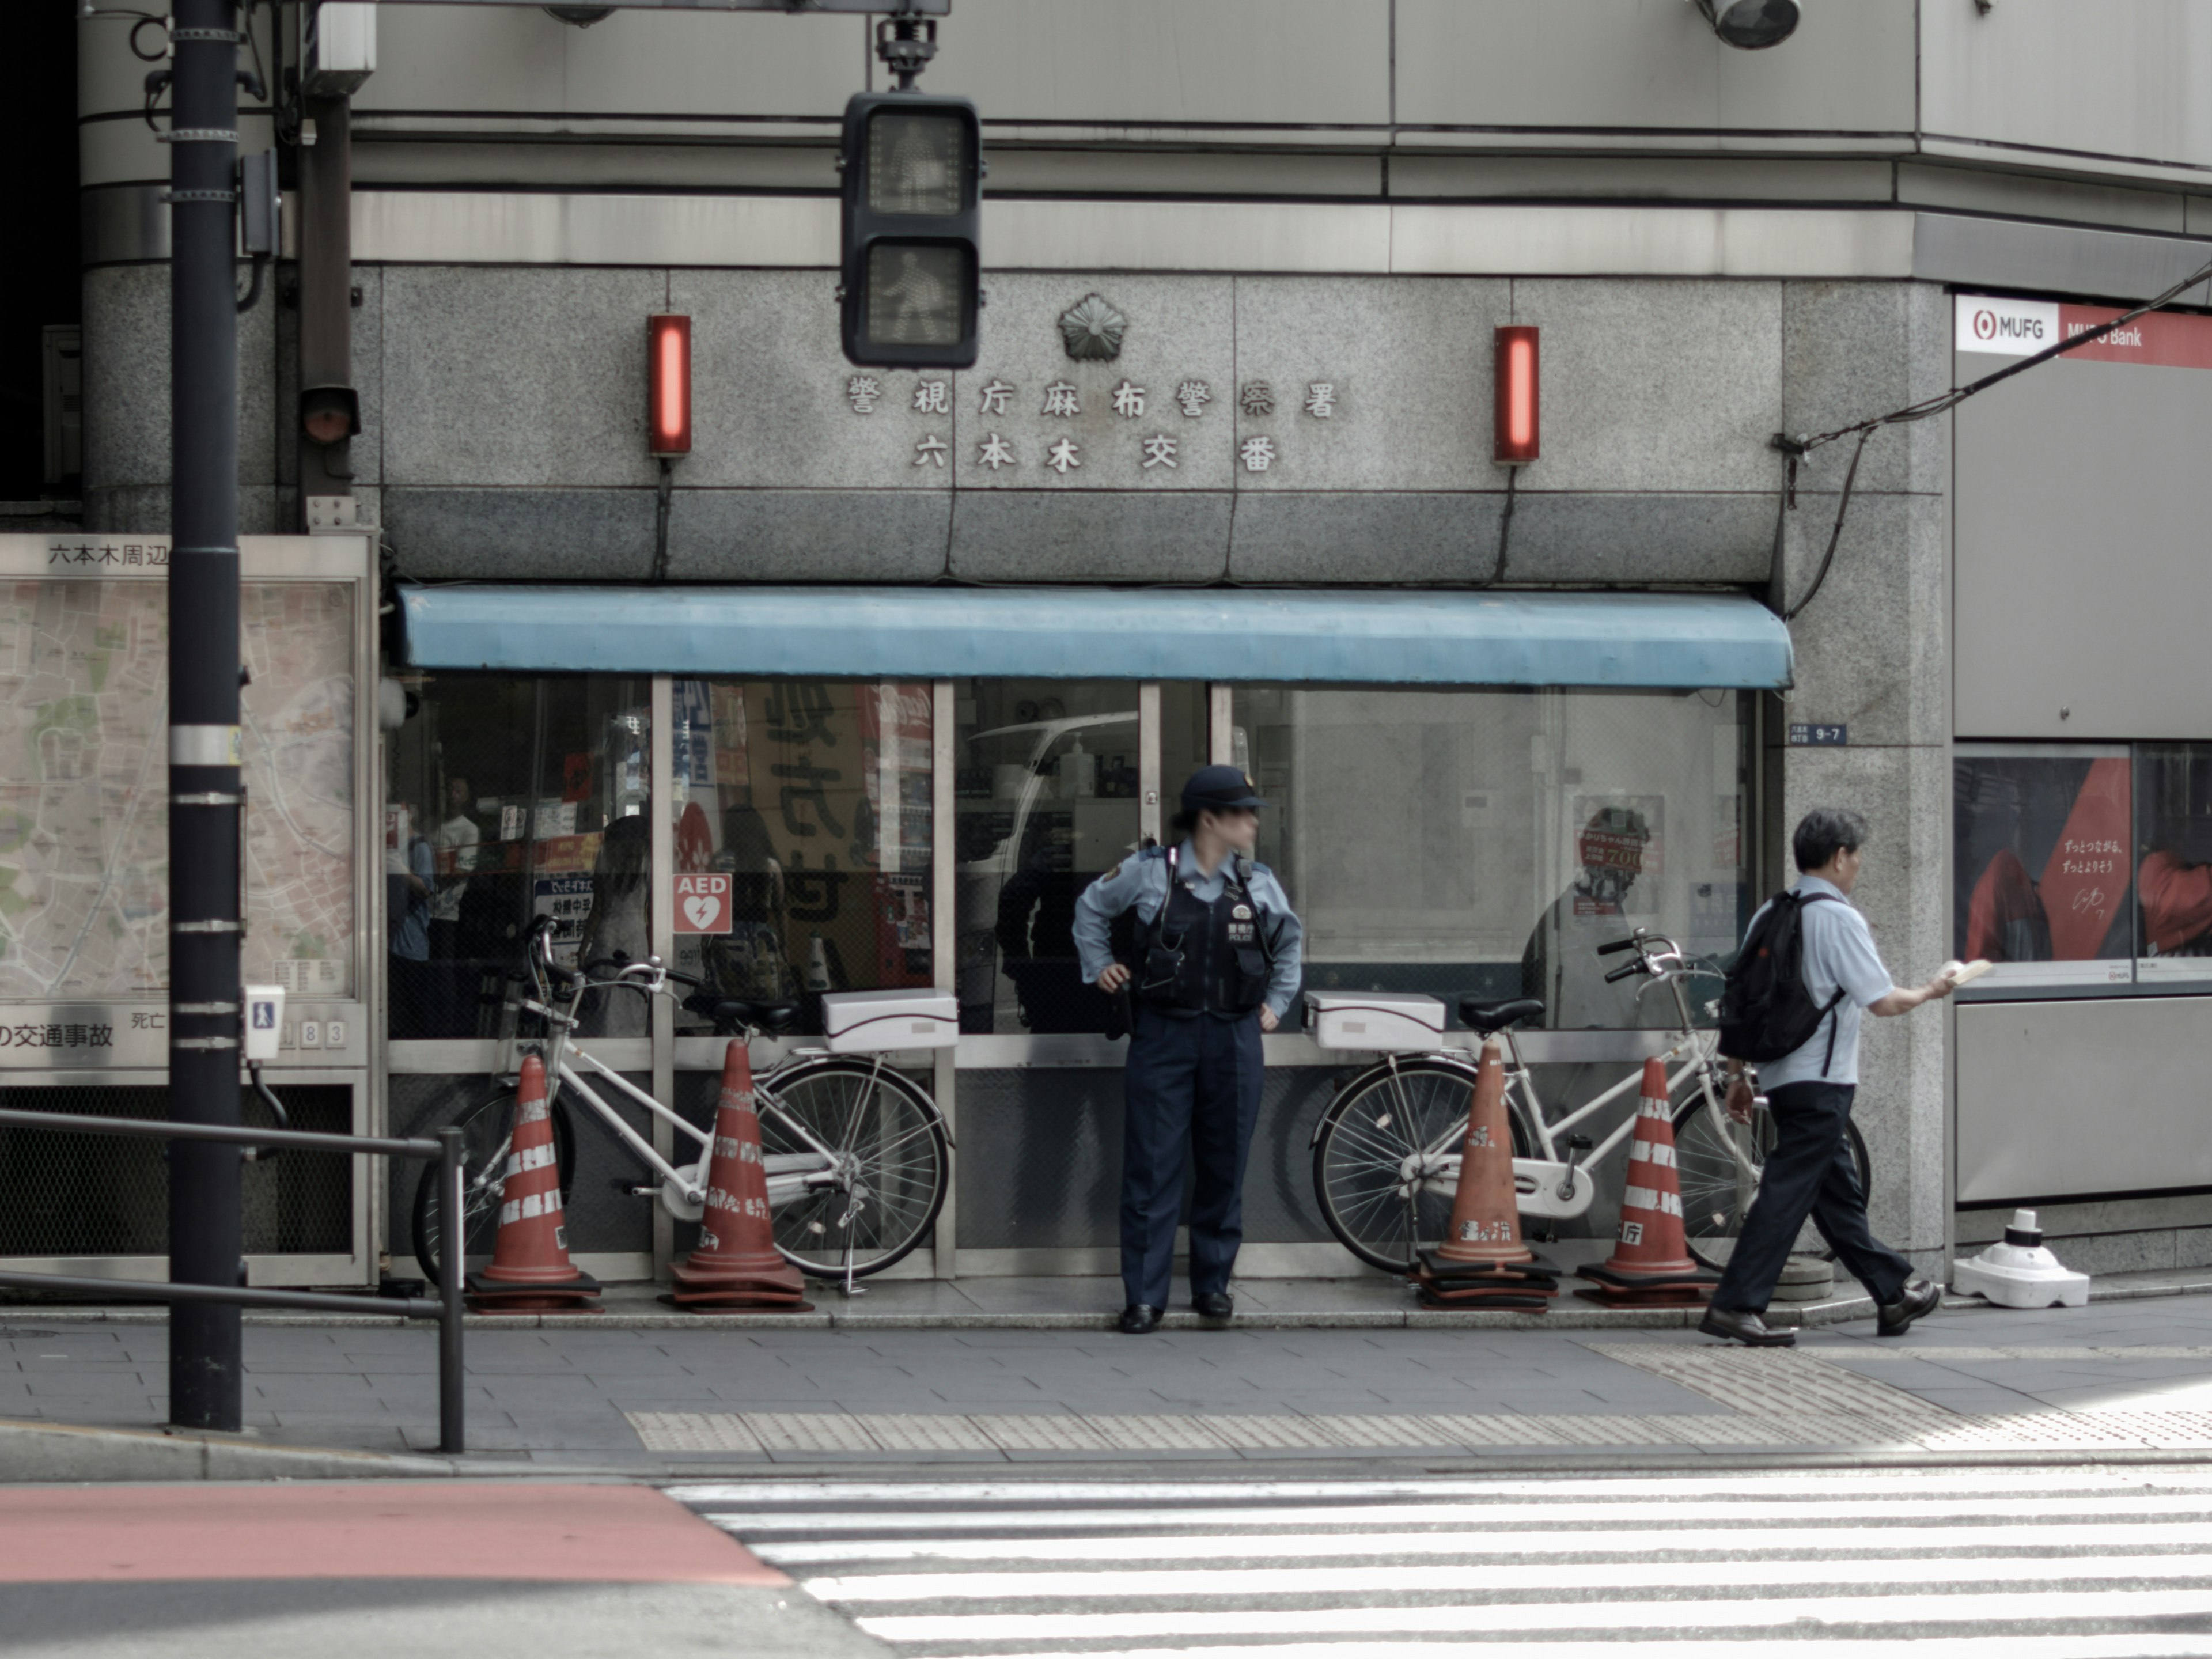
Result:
1139,883
1839,955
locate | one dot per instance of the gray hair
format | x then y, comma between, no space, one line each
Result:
1824,832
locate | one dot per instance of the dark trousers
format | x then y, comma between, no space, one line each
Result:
1809,1172
1192,1094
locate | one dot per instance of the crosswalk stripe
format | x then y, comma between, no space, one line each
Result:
1884,1647
1847,1612
1314,1546
1254,1494
1214,1583
2066,1563
769,1522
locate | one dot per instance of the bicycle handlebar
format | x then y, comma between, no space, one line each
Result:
1618,946
1624,970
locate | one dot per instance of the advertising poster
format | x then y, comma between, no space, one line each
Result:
2044,878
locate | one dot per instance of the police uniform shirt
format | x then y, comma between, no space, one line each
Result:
1141,883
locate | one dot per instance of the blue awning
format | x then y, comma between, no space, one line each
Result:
1259,636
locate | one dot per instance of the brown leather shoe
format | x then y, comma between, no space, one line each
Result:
1740,1325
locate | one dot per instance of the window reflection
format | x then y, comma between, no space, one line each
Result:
1486,841
1048,790
812,799
506,798
2042,882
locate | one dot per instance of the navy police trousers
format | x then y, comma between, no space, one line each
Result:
1192,1091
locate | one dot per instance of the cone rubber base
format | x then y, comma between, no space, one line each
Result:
1614,1278
1434,1266
714,1302
1656,1295
576,1294
1503,1299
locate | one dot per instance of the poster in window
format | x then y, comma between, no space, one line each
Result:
2173,860
2044,884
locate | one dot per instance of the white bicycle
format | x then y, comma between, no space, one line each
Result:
856,1154
1386,1153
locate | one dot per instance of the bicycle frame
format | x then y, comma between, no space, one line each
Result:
684,1190
1547,1186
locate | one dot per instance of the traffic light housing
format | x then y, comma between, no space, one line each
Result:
912,263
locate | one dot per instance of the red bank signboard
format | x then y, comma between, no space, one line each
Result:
2020,328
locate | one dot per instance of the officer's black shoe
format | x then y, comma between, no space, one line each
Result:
1918,1297
1139,1319
1745,1327
1214,1305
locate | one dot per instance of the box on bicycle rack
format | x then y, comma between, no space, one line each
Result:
872,1022
1378,1021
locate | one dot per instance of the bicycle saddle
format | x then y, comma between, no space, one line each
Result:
1484,1018
729,1013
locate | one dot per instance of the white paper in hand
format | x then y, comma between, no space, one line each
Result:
1964,973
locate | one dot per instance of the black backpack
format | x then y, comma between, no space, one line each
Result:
1765,1011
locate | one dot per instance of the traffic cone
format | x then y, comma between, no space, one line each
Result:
737,1267
1650,1265
1482,1261
529,1270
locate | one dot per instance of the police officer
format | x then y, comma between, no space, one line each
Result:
1214,962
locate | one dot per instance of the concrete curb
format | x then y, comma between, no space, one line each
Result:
1567,1315
48,1452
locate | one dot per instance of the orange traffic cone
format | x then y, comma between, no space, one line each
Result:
1482,1261
1650,1265
529,1270
737,1267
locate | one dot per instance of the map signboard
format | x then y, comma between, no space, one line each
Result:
84,877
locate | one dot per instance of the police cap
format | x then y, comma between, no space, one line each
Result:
1220,788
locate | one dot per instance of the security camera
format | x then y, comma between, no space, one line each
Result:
582,16
1751,24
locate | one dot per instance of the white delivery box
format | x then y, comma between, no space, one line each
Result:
1376,1020
871,1022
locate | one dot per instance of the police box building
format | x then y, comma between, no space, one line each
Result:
1377,396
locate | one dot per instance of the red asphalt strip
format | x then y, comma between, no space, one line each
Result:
420,1529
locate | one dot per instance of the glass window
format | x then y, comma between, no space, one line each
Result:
1048,795
508,798
1486,841
803,838
2173,861
2043,873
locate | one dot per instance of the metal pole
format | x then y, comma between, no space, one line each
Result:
452,1432
206,1241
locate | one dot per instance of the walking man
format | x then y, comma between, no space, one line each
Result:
1216,964
1810,1170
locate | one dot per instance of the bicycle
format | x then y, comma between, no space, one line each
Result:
1386,1153
856,1154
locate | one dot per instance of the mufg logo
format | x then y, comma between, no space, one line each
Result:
1987,325
2010,328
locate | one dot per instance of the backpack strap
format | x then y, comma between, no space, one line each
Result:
1828,1013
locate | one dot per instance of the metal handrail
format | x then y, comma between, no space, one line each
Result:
446,1307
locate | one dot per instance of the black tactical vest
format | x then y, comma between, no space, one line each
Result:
1206,959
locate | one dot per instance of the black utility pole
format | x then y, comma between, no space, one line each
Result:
206,1238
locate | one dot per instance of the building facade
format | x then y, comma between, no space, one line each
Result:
910,656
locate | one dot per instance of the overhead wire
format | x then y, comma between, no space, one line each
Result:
1798,448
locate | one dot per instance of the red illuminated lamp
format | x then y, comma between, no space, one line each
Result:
668,399
1518,426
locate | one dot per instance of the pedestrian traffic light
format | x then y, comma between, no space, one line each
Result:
913,231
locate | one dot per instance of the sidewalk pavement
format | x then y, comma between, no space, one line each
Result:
2124,1377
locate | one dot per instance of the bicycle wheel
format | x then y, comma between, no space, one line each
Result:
486,1127
1717,1188
856,1158
1369,1153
